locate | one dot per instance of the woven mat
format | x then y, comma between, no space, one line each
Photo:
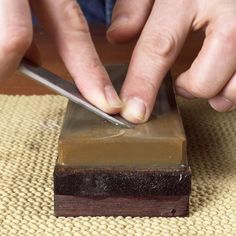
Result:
29,129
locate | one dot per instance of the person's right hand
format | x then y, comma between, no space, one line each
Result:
65,23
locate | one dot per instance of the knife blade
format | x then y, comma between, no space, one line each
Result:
66,89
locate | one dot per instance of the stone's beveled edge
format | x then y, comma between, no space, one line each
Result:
73,154
163,206
172,99
118,182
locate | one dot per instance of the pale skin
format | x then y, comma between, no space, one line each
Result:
160,28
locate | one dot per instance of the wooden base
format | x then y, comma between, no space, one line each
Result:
166,206
114,192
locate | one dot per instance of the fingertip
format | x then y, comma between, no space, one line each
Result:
135,110
181,86
109,110
128,19
184,93
112,98
100,102
119,22
122,30
221,104
105,99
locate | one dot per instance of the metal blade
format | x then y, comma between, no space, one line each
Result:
66,89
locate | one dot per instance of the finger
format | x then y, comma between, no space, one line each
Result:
15,36
64,20
226,100
128,19
158,46
214,65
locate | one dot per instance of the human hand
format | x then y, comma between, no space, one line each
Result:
163,26
65,23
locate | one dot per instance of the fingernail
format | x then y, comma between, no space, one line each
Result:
117,22
221,104
112,97
134,110
184,93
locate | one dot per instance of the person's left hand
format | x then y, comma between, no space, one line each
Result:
162,27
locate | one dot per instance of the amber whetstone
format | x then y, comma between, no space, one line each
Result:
106,170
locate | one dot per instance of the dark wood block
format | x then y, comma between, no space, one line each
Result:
103,169
165,206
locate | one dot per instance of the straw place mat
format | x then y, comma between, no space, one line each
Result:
29,130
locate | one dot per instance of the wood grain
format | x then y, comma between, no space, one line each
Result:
165,206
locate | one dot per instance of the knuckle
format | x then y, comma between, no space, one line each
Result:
227,36
19,41
74,18
94,65
160,45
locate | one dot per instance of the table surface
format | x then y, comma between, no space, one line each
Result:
18,85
